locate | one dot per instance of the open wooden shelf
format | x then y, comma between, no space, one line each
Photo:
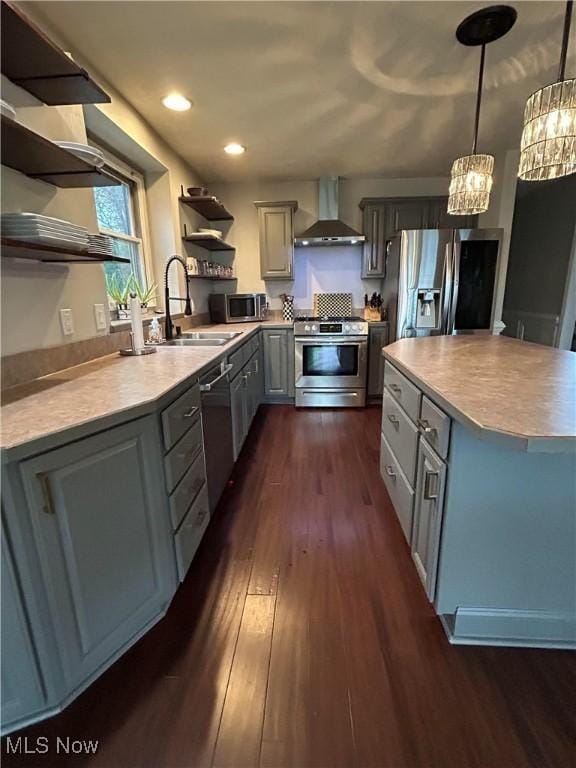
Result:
208,206
209,277
33,62
20,249
39,158
209,242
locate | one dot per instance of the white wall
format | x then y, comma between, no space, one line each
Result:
316,269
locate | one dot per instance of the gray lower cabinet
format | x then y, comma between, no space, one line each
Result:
428,507
102,532
278,363
22,691
276,237
238,402
246,391
377,338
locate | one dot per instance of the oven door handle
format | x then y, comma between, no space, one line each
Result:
331,340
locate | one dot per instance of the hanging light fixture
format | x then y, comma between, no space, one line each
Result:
548,145
471,176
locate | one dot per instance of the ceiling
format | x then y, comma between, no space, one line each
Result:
312,88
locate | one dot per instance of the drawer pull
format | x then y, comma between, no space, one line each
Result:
191,413
424,426
390,472
48,506
393,420
430,486
395,388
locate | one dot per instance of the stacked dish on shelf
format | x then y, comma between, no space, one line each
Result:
44,230
101,245
7,110
84,152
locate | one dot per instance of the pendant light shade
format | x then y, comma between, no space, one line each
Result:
548,145
470,185
471,177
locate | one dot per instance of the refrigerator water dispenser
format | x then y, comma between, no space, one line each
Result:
427,308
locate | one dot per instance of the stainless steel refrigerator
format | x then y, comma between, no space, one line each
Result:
441,281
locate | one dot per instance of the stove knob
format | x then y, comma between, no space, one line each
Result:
314,327
306,327
357,327
347,327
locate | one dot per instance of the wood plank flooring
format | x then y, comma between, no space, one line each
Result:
302,638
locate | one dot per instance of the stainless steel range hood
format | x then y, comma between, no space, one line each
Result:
328,230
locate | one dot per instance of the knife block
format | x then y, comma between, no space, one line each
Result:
372,314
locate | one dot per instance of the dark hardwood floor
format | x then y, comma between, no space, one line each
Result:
302,638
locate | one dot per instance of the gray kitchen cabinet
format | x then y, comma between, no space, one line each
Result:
245,397
278,363
439,218
102,531
22,692
428,507
276,236
406,214
374,248
377,338
237,401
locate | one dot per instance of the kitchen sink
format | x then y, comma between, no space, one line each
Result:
211,334
214,342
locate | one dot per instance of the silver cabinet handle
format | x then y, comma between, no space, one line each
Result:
191,413
390,472
224,371
201,516
395,388
424,426
48,505
430,486
393,420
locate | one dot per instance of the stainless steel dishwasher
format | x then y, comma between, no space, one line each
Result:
217,427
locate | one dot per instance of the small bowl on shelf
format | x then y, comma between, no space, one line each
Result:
197,191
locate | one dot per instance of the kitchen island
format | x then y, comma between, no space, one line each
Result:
478,455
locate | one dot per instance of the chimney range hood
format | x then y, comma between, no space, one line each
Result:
328,230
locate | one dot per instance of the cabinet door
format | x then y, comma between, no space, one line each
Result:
102,529
406,214
279,363
22,693
374,249
237,397
377,338
428,507
439,218
276,230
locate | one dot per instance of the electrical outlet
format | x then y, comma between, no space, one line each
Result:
67,322
100,317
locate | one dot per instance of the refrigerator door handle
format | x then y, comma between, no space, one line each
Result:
455,283
448,282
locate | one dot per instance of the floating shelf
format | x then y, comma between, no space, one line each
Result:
33,62
39,158
20,249
209,277
208,206
209,242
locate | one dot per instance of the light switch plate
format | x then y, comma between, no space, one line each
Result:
67,322
99,317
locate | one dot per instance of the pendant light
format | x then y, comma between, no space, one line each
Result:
548,145
471,176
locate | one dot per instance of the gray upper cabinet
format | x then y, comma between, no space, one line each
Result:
279,363
103,535
406,214
377,338
374,248
22,693
439,218
276,230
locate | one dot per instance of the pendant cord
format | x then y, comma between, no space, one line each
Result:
565,37
479,98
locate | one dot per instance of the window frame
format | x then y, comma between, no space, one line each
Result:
119,169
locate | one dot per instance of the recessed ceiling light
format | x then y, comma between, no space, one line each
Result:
234,149
177,102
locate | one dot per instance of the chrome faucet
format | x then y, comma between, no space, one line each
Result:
167,298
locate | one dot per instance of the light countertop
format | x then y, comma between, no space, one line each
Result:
501,388
106,387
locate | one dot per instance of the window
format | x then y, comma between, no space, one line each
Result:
121,214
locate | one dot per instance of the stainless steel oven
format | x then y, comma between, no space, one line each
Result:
330,362
237,307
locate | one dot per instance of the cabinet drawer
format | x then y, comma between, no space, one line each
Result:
182,455
402,390
237,359
190,533
434,427
401,434
400,492
176,419
187,490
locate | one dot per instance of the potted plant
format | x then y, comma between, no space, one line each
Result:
144,292
119,294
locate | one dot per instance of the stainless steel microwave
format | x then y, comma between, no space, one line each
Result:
237,307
